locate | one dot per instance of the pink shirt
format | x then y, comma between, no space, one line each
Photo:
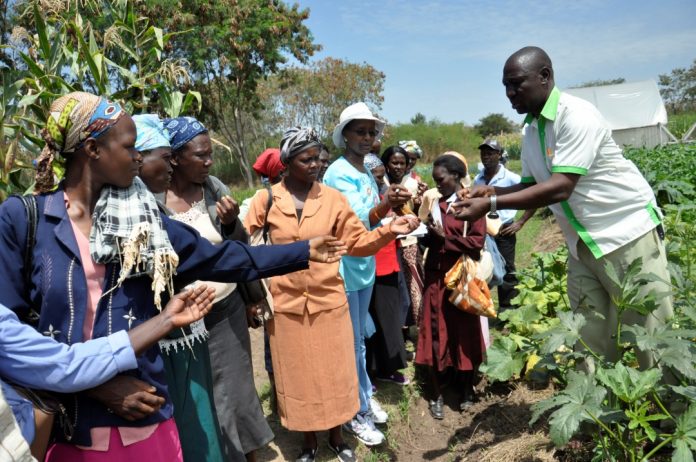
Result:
94,273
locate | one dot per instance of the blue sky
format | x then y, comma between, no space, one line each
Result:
445,58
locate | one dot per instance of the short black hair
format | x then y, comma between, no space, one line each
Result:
451,164
392,150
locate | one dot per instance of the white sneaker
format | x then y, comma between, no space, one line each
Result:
379,415
363,431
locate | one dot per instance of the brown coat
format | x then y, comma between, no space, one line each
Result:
326,212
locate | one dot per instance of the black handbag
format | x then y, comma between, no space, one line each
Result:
47,407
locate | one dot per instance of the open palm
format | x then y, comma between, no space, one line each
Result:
190,305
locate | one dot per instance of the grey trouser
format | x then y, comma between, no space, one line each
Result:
590,291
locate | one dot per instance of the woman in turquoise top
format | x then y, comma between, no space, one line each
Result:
355,133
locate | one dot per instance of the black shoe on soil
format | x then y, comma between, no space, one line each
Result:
343,452
436,408
307,455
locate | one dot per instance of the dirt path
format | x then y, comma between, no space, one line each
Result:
494,429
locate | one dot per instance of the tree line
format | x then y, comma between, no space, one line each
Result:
244,67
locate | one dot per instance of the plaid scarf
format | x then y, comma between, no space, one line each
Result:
127,228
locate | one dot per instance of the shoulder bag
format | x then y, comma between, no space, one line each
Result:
260,237
46,405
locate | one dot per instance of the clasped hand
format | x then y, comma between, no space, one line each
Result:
472,203
397,195
404,224
227,210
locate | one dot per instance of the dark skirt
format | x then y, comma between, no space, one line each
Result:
447,336
189,385
243,426
386,352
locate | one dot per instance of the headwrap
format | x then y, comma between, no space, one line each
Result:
371,162
295,140
182,130
268,164
466,181
72,119
411,147
151,132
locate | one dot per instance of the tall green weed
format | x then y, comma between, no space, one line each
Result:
435,138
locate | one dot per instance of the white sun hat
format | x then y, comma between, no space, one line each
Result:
357,111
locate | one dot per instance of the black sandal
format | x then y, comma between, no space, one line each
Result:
307,455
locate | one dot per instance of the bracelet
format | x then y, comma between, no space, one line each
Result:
494,207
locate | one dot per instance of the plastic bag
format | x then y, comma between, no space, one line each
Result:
470,293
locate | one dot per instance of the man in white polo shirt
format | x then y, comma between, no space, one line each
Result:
604,206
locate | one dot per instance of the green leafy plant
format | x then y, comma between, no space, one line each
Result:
541,300
623,407
669,170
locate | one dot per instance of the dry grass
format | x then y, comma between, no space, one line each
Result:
532,447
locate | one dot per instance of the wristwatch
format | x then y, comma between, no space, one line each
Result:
493,214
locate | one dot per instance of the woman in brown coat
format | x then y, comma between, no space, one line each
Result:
448,337
311,335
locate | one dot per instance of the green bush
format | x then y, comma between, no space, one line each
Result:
670,170
435,138
630,413
679,124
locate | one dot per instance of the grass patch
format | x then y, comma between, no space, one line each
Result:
527,239
679,124
397,401
239,194
435,138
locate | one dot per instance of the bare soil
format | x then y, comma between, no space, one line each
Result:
495,429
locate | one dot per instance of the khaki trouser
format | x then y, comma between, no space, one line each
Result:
590,291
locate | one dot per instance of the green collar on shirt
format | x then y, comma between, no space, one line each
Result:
550,107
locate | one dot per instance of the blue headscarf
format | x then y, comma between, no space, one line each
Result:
151,132
182,130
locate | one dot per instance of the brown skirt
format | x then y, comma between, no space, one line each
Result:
314,366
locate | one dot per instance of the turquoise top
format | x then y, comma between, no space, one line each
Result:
361,191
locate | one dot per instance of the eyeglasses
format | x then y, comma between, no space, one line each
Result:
363,133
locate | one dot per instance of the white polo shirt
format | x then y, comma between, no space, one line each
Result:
612,204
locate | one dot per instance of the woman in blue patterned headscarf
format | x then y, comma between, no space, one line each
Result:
203,202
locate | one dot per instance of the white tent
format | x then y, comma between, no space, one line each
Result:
635,112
